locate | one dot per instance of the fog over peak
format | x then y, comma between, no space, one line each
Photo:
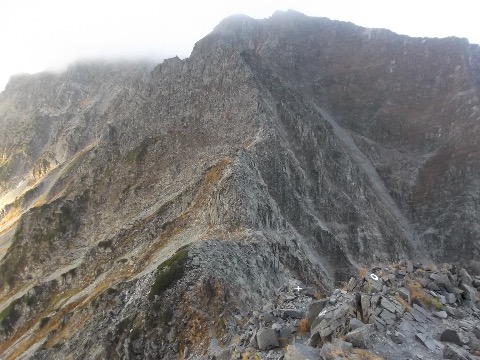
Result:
50,34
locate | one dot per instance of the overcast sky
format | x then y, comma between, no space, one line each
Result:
48,34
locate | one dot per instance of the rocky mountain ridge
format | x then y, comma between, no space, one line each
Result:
284,148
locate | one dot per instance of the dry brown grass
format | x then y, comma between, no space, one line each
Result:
55,323
363,354
338,353
13,214
417,293
303,327
65,333
247,356
39,335
403,302
319,295
397,265
362,272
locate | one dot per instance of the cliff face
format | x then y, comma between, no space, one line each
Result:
291,147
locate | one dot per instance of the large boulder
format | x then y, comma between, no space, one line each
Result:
267,338
314,309
374,283
361,337
451,336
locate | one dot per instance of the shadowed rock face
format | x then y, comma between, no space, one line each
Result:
285,147
410,104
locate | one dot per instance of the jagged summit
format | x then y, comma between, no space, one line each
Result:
284,149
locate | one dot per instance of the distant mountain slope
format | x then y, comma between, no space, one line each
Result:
292,147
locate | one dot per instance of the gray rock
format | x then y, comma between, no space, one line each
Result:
450,298
254,321
374,283
418,316
325,332
451,336
440,314
397,337
442,299
443,281
379,323
425,312
476,331
334,324
293,313
314,339
465,278
276,326
267,317
314,308
404,294
286,332
253,340
388,317
392,305
473,341
469,292
360,337
455,312
301,352
266,338
407,329
365,304
318,320
433,286
352,284
454,352
355,324
426,340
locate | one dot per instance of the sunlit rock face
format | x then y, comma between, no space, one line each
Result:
132,195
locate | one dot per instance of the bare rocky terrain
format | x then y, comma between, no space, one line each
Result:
160,211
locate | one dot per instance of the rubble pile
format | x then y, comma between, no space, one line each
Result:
400,311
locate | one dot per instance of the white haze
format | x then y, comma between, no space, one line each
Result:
37,35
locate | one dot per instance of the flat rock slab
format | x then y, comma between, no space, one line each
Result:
427,341
391,306
418,316
425,312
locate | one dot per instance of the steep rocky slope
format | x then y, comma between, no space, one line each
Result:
146,210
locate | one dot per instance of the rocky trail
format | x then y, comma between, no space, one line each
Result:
390,312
